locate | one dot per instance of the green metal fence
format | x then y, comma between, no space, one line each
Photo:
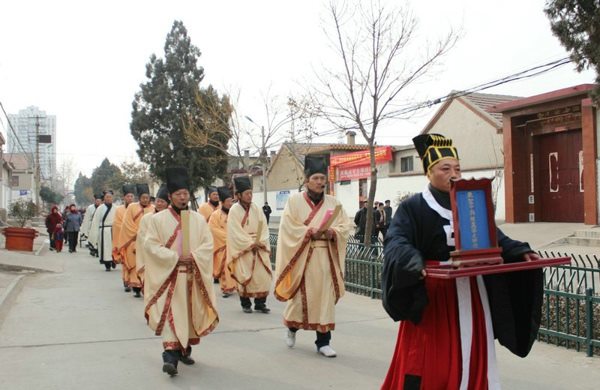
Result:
571,308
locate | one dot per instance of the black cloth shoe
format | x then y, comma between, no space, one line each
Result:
186,358
247,309
136,290
170,359
262,309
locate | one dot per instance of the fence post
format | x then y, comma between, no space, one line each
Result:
589,319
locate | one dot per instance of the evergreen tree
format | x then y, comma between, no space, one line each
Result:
83,190
107,176
576,23
170,107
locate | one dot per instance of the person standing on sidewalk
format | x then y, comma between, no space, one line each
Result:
128,198
59,235
218,227
161,202
248,248
179,298
310,261
72,226
101,230
206,209
448,326
51,221
127,235
267,210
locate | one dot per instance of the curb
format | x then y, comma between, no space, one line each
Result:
7,292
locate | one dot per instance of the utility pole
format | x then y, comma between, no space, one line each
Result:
37,162
264,156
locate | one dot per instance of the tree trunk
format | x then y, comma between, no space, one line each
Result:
371,198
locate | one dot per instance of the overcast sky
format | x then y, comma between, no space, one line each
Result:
84,61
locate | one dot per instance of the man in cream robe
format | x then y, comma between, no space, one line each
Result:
218,227
101,230
128,233
128,197
248,249
87,222
161,203
178,295
310,258
206,209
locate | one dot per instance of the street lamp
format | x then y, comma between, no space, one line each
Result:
263,156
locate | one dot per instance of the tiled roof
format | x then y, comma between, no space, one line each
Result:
486,103
19,161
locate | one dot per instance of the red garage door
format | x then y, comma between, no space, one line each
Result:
560,173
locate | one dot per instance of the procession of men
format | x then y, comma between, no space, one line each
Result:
173,256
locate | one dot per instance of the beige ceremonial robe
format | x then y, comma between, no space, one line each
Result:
310,274
179,299
206,209
218,228
101,231
140,248
116,241
127,236
248,258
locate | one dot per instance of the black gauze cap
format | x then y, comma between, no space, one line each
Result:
163,193
177,179
98,196
128,189
433,148
242,183
224,193
314,164
142,189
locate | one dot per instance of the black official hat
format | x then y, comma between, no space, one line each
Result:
163,193
142,189
242,183
107,192
224,193
177,179
98,196
211,189
128,189
314,164
433,148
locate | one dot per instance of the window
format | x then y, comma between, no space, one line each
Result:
406,164
14,181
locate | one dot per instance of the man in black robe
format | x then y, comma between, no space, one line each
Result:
446,337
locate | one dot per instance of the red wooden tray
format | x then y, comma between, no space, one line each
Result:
448,272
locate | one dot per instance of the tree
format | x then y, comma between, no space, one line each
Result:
84,193
167,105
135,172
379,58
50,196
576,24
107,176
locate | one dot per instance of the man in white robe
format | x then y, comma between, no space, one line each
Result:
178,294
310,258
101,230
87,223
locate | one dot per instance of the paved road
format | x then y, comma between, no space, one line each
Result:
79,330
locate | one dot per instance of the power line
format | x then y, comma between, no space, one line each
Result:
523,74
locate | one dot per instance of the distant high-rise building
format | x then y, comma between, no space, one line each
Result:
24,124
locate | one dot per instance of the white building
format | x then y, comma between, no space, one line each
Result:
26,123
